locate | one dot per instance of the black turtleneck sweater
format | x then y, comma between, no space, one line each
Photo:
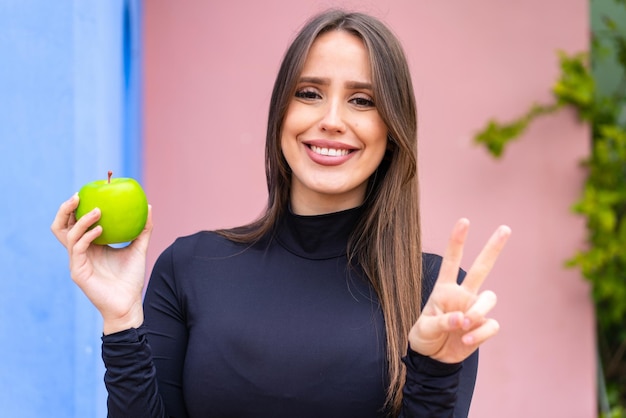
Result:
282,328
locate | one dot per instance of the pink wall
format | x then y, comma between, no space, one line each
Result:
209,72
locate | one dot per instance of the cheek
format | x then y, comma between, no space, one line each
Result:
287,130
382,145
294,119
382,150
379,134
287,142
375,126
284,148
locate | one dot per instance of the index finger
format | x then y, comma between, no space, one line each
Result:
486,259
451,263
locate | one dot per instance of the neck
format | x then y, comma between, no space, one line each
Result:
319,208
321,204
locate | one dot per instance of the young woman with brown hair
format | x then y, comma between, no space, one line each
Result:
323,307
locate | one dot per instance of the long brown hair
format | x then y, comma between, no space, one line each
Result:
386,243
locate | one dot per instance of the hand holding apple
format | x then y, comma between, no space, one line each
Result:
123,206
112,278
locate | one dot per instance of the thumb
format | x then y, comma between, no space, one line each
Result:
430,331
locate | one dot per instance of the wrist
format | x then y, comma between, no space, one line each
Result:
132,319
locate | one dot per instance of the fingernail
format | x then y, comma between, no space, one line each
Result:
468,339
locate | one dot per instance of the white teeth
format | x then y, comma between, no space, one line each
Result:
332,152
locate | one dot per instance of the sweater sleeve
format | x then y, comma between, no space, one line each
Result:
144,366
166,321
130,375
435,389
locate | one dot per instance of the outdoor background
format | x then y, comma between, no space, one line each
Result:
176,95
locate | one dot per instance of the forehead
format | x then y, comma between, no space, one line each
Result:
338,52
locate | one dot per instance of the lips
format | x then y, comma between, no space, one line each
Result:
328,153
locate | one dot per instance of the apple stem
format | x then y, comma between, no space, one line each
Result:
110,174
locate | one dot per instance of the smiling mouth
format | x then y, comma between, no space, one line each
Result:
331,152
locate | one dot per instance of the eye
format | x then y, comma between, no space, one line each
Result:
361,101
307,94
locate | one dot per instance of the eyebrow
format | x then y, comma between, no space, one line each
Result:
355,85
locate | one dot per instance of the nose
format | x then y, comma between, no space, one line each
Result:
332,120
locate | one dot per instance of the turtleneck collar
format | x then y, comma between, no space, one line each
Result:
318,237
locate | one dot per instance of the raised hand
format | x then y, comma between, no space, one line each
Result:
112,278
454,320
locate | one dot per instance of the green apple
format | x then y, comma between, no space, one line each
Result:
123,208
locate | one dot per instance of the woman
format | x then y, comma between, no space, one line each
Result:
315,309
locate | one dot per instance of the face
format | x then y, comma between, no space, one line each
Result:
332,136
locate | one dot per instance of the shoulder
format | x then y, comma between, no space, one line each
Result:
431,264
203,244
200,242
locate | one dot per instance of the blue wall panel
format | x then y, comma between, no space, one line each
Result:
68,113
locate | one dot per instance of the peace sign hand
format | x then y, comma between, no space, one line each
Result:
454,320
